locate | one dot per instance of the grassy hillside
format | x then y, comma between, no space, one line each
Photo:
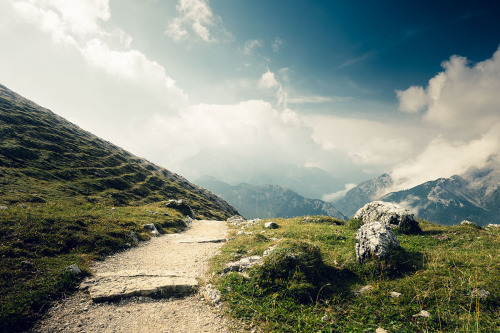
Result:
67,196
311,282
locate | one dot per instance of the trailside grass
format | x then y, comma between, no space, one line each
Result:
38,240
441,270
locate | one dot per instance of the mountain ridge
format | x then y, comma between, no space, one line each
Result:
269,201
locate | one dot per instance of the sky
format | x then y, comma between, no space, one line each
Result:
314,95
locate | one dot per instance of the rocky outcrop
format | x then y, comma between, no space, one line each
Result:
390,214
375,240
152,229
271,225
182,207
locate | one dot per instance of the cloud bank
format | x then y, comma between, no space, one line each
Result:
461,106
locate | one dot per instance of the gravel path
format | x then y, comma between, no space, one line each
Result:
183,255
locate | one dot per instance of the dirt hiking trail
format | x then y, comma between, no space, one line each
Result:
149,288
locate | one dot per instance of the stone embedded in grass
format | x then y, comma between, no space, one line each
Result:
465,222
74,269
395,294
3,207
152,229
133,237
271,225
390,214
480,293
423,314
242,265
380,330
375,240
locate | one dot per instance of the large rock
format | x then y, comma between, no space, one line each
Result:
390,214
182,207
375,240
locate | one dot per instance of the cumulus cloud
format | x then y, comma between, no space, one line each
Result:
61,18
412,100
267,80
78,24
461,106
196,17
462,99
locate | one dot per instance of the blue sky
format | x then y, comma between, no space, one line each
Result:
269,91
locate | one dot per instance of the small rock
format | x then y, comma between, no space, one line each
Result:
465,222
324,318
395,294
242,264
133,236
480,293
27,265
381,330
211,294
241,232
151,228
364,289
271,225
73,268
423,314
3,207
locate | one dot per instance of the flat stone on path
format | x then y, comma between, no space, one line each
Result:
112,287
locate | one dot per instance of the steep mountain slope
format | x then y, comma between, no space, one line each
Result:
362,194
267,201
38,145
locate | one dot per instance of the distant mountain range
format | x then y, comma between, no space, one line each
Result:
473,196
268,201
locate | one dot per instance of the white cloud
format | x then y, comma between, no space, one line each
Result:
249,131
315,99
412,100
77,24
196,17
62,18
267,80
130,64
250,45
462,99
367,142
461,106
331,197
277,44
443,158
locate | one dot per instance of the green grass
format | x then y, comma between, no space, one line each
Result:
436,271
39,240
